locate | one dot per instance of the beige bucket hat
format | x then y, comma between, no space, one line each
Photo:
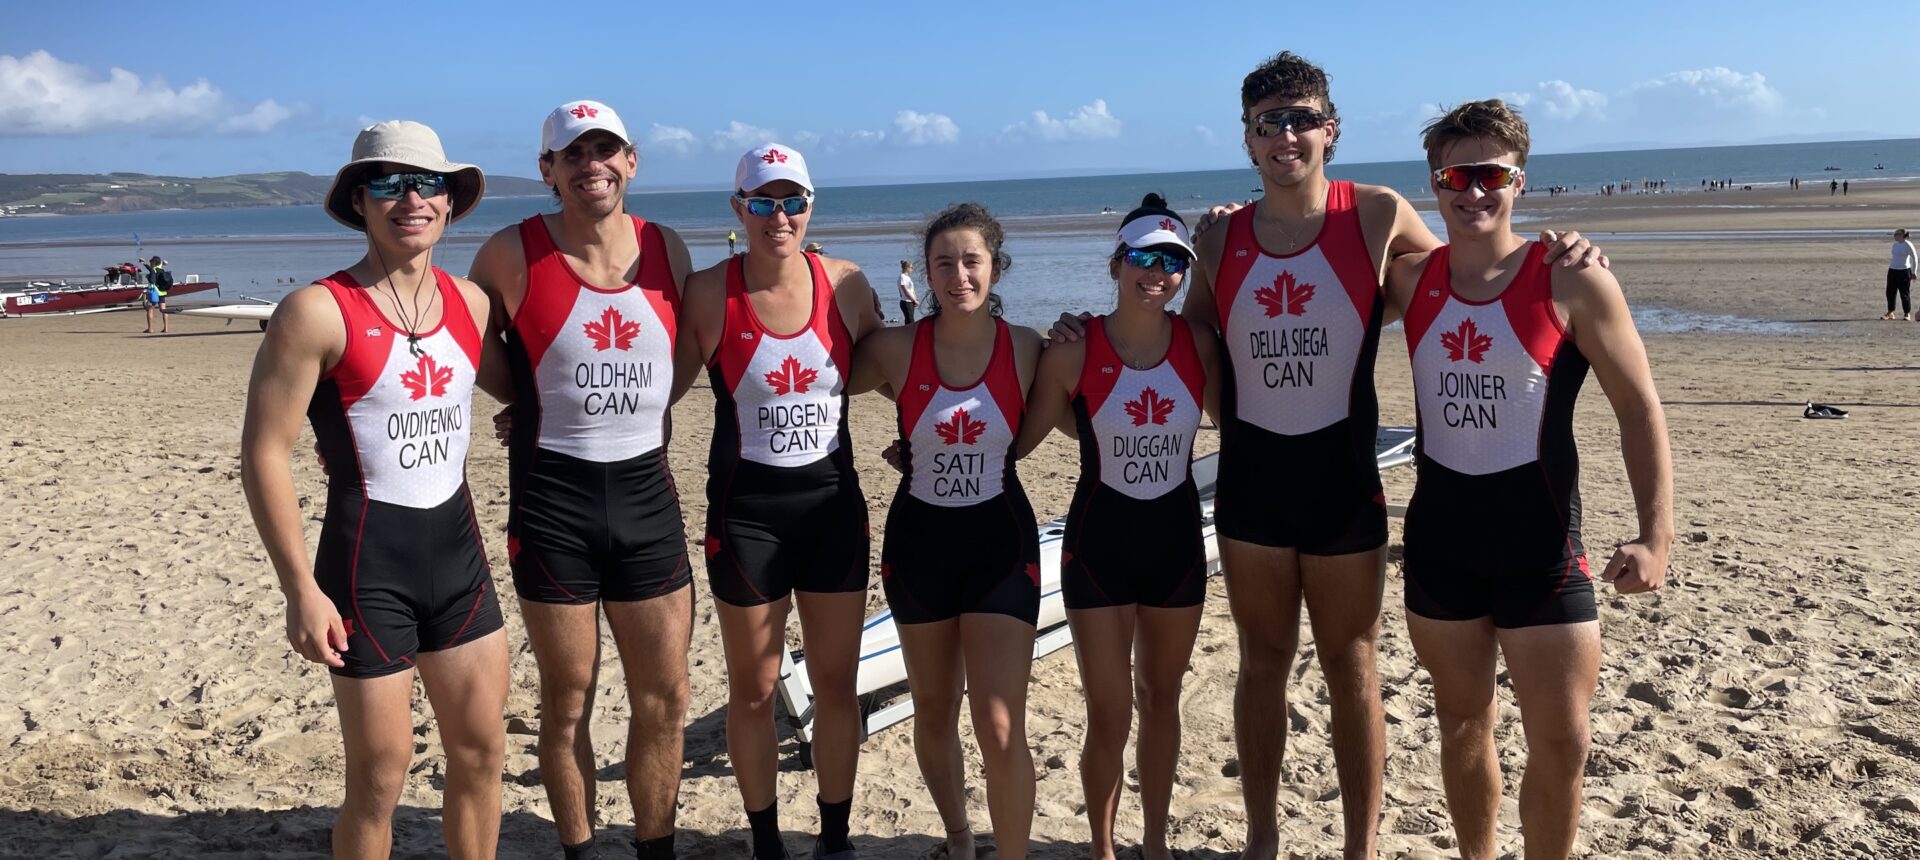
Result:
406,143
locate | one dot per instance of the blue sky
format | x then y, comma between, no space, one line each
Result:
902,91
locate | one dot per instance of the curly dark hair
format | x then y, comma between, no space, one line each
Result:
1291,76
967,216
1491,119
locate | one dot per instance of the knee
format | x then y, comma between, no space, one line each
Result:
1001,734
1462,722
1566,744
1266,654
481,753
373,789
937,708
837,685
661,702
751,698
1108,730
1158,702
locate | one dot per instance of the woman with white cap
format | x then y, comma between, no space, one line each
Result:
382,358
1133,566
786,521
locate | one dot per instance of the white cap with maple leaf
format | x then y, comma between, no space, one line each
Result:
575,118
1152,229
768,163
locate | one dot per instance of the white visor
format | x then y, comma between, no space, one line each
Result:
1149,230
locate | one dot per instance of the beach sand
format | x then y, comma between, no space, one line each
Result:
1763,705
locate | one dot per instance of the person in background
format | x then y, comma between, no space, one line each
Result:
908,301
159,283
1900,274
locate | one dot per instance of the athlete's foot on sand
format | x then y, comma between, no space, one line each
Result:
959,846
1262,849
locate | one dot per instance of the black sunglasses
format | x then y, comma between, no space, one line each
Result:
1298,120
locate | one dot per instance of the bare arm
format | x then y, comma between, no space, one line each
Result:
501,274
858,302
1208,348
1199,305
880,362
1603,329
1050,399
303,339
686,350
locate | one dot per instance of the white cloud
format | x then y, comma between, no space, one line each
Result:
922,129
1205,134
674,139
1718,87
806,138
1087,122
1560,100
741,136
41,95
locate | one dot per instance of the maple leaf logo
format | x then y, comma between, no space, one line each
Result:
612,331
1286,296
774,155
1150,407
1466,342
790,377
426,379
582,112
1166,224
960,429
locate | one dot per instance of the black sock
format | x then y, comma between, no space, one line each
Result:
657,848
833,825
766,833
582,851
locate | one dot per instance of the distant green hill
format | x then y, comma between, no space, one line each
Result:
77,193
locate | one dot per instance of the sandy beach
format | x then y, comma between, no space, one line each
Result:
1763,705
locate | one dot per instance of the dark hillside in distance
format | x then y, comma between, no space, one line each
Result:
81,193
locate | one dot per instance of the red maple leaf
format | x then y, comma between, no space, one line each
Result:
1286,296
790,377
774,155
1465,342
582,112
426,379
1166,224
960,429
612,331
1150,407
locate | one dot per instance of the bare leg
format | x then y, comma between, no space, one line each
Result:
830,627
566,647
1555,669
754,637
652,637
376,721
1460,656
1162,649
1103,642
935,675
1263,591
999,658
467,686
1343,606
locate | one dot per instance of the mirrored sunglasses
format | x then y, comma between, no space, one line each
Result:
1490,176
762,207
1167,261
394,186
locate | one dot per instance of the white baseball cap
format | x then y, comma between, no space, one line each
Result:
770,162
1149,228
575,118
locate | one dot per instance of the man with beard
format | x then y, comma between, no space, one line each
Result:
589,302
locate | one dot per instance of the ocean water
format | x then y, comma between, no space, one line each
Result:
1059,257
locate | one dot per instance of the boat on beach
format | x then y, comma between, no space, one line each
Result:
50,298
